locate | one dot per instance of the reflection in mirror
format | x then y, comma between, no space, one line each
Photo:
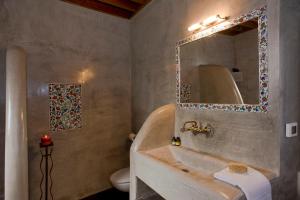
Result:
222,68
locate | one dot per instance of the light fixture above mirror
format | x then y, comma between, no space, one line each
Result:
212,20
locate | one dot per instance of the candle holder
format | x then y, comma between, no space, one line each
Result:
46,153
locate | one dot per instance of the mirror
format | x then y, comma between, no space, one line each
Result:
225,65
222,68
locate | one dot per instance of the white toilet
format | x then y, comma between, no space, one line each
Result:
120,179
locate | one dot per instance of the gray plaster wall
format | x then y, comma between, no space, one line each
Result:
248,137
3,22
2,120
290,73
62,41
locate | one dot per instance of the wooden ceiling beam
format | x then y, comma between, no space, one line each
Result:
124,4
102,7
143,2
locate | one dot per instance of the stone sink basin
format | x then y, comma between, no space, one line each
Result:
187,160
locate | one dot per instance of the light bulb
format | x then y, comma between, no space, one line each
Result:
212,20
194,27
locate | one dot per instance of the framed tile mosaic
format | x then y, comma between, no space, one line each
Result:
263,93
65,106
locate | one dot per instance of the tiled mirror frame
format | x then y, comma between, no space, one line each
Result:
263,64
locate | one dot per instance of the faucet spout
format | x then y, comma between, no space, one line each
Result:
206,130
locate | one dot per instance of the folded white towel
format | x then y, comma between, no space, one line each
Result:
254,184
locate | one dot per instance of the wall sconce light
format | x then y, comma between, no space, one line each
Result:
85,75
216,19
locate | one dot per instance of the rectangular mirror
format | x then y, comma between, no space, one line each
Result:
224,67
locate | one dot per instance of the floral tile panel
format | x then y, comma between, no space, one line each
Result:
65,106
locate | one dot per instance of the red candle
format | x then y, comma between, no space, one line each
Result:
46,139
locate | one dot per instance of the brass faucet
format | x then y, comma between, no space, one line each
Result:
206,129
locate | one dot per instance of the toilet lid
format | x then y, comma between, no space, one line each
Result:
120,176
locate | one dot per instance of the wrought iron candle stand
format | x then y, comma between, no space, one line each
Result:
46,152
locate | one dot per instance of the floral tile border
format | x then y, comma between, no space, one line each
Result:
65,106
185,92
263,64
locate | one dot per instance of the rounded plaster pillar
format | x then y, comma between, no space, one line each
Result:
16,147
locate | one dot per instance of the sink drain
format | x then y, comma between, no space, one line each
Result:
185,170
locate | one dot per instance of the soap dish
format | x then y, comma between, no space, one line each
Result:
238,168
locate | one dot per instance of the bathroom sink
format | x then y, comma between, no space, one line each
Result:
175,172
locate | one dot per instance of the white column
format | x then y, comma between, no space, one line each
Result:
16,148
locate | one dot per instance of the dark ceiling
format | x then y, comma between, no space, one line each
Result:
120,8
241,28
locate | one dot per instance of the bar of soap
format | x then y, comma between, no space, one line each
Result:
238,168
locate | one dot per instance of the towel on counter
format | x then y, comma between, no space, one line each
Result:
254,184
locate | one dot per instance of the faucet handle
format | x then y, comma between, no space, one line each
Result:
209,129
193,123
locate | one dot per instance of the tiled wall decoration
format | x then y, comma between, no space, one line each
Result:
65,106
185,92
